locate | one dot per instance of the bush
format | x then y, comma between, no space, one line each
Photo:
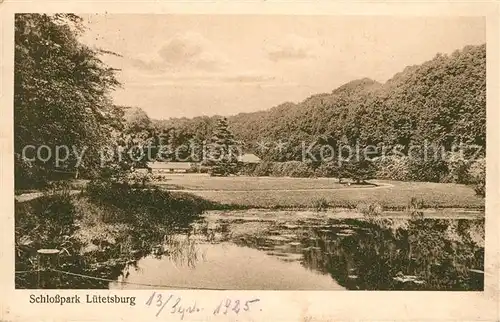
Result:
414,208
392,168
453,168
263,169
327,169
248,169
457,168
477,176
295,169
45,222
320,204
370,209
204,169
404,168
28,175
358,170
138,178
427,170
283,169
480,189
162,207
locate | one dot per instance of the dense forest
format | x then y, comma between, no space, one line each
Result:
438,106
442,101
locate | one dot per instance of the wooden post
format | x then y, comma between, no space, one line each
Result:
47,259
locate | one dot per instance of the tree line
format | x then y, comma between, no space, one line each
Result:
440,103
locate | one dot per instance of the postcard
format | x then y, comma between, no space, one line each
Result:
249,161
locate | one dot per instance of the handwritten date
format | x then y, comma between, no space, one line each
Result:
236,306
176,306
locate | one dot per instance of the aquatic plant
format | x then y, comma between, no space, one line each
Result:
370,210
414,208
320,204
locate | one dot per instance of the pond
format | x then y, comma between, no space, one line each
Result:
226,251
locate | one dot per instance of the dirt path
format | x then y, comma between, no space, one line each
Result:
34,195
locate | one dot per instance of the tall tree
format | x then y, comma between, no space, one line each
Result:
61,97
222,152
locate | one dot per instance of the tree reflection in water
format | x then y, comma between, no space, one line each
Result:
370,254
385,254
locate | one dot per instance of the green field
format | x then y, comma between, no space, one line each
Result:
277,192
243,183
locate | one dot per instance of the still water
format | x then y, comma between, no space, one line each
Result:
224,251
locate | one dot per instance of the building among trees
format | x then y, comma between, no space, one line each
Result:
249,158
169,167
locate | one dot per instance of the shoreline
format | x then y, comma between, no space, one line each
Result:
337,213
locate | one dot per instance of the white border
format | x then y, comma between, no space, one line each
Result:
276,306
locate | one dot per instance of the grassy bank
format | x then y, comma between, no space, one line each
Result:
98,232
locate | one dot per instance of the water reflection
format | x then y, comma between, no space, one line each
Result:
383,255
313,254
226,266
234,251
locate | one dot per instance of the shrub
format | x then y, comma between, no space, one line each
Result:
298,169
452,168
45,222
194,168
248,169
427,170
153,205
263,169
358,170
278,169
320,204
457,168
327,169
392,167
28,175
477,176
428,164
370,209
138,178
295,169
414,208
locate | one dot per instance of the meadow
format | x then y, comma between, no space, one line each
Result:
247,183
279,192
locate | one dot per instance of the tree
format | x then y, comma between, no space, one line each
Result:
196,149
358,170
222,151
61,97
139,139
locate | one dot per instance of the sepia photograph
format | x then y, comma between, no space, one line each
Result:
249,152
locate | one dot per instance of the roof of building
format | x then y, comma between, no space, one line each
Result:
169,165
249,158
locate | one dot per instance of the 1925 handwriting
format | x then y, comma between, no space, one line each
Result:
177,306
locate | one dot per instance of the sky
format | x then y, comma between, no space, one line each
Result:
191,65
